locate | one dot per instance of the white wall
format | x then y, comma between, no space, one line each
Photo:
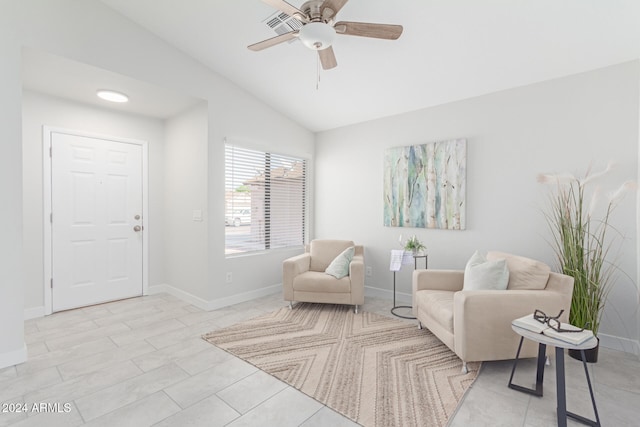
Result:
185,189
42,110
12,347
88,31
555,126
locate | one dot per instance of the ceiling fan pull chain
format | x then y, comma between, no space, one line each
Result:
318,72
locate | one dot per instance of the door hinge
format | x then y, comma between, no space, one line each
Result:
51,217
51,283
50,151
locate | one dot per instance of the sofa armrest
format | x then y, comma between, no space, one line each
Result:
441,280
482,320
438,280
356,274
292,267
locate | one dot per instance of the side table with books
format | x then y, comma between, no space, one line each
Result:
561,336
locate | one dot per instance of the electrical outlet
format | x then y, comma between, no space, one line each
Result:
368,272
229,277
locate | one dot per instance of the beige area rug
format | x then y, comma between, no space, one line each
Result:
373,369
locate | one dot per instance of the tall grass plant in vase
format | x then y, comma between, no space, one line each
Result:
584,241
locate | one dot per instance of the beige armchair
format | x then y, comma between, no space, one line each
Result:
304,278
476,324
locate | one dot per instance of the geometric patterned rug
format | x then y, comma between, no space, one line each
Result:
373,369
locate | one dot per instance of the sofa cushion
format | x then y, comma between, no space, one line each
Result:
524,273
339,267
319,281
439,305
324,251
482,274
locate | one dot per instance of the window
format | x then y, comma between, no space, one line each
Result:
265,200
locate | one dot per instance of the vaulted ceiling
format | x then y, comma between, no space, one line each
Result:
450,50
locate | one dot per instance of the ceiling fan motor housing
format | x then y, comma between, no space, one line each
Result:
313,10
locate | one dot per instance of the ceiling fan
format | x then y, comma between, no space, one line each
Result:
319,28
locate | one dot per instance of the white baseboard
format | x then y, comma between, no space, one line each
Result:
34,312
218,302
13,357
179,293
621,344
387,294
244,296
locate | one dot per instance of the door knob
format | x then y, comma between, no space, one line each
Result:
136,217
137,228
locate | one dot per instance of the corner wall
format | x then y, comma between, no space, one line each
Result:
556,126
185,190
12,346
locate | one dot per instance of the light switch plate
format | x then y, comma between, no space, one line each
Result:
197,215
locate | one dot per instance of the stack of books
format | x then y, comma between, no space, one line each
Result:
575,338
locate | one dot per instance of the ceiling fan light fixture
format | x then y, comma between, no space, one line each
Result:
317,35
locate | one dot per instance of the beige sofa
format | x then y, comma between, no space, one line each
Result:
476,324
304,278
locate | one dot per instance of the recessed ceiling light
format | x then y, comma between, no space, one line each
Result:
113,96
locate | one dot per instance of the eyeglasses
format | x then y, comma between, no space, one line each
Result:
553,321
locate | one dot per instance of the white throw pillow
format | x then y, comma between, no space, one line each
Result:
481,274
339,267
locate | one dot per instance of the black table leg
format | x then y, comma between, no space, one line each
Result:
542,349
394,302
562,397
560,388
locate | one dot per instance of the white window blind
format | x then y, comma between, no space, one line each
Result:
265,200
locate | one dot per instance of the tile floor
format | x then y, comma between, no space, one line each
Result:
141,362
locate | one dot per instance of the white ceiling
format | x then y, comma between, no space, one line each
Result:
450,50
64,78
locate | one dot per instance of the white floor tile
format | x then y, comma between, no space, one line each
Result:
23,384
84,385
52,416
65,355
327,417
289,408
121,394
89,335
251,391
209,412
206,383
13,412
88,364
205,359
181,350
141,413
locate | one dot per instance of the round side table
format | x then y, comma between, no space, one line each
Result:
560,346
415,266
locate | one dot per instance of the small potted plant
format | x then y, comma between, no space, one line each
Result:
414,245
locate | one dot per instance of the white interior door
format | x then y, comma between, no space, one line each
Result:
96,200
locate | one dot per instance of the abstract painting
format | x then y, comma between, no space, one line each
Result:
424,185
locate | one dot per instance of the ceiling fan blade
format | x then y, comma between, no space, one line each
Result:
330,8
365,29
273,41
285,7
327,58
